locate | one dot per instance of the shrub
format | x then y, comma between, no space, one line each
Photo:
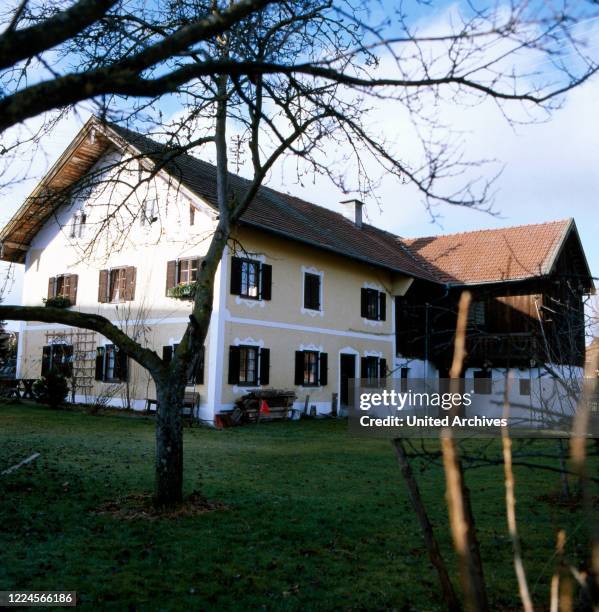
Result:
51,389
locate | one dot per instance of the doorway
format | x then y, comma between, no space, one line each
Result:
347,370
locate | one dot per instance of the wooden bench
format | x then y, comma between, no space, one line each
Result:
191,400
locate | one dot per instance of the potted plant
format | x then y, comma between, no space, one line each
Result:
183,291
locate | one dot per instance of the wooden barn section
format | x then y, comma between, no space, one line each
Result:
528,286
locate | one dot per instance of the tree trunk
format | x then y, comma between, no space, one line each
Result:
449,596
169,443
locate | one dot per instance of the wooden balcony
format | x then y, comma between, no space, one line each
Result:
499,349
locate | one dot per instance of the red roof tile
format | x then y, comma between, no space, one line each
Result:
494,255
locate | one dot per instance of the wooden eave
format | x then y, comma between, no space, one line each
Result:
78,158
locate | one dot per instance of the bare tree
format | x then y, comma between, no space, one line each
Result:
293,78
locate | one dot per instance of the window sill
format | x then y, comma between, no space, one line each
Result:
313,312
250,302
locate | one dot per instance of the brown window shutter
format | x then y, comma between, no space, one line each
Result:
130,280
234,361
265,282
171,275
364,303
100,351
103,286
264,378
73,278
235,276
51,287
323,369
299,367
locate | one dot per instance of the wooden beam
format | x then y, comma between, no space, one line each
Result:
15,245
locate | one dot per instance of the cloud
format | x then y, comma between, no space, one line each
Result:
549,168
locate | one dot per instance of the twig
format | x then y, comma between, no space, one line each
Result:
14,468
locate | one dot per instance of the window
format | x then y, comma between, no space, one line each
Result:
63,285
117,285
483,383
249,365
374,305
477,314
188,271
111,364
148,211
251,279
192,214
58,358
373,370
78,224
195,372
181,272
525,386
312,291
311,368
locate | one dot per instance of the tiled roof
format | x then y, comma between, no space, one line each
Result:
292,217
495,255
468,258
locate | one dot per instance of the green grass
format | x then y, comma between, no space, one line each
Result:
315,519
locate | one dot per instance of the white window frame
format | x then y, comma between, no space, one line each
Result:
148,211
78,224
309,311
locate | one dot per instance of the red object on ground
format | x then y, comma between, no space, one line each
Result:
264,409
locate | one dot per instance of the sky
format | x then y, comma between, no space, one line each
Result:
549,172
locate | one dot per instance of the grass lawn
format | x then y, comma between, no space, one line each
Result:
314,519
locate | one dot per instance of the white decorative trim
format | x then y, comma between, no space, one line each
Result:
250,303
378,354
245,390
248,342
261,257
241,320
376,287
313,330
311,347
310,311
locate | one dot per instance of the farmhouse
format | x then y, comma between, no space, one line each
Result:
305,298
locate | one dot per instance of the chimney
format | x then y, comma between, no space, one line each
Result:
357,206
